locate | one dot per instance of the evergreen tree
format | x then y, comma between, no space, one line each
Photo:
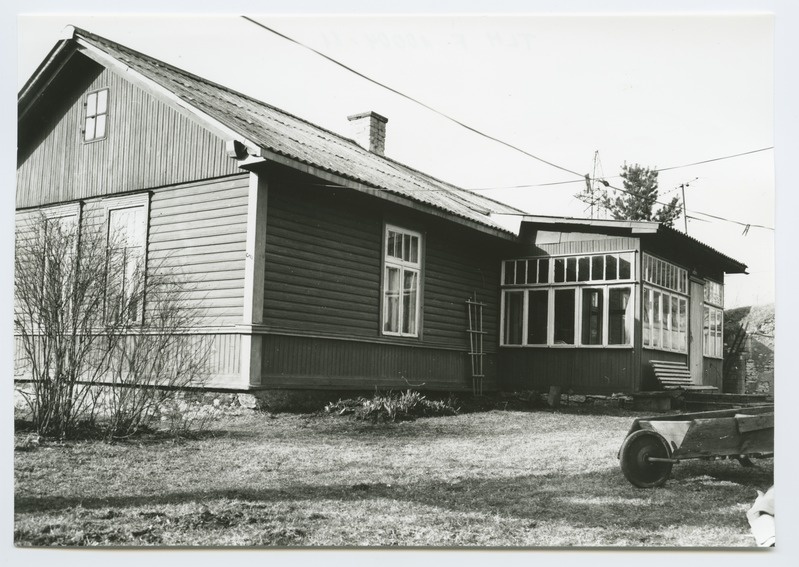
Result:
639,197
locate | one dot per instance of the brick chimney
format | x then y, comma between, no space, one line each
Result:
369,130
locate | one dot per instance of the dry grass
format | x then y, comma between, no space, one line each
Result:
484,479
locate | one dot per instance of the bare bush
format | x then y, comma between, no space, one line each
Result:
88,314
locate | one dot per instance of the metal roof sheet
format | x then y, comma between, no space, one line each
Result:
285,134
640,227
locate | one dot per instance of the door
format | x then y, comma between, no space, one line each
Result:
695,330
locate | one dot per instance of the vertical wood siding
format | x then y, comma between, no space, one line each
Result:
582,370
588,246
223,359
713,373
302,362
148,144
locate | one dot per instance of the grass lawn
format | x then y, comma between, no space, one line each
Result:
499,478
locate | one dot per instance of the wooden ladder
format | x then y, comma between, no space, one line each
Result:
476,352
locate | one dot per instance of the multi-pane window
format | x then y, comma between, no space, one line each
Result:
663,274
575,300
665,320
61,232
96,121
714,293
713,320
712,332
665,305
402,274
126,239
569,269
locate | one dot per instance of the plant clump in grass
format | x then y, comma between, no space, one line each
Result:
393,407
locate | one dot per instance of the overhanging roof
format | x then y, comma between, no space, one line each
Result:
660,233
275,135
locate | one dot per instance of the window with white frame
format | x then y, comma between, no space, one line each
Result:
401,277
96,121
665,305
61,235
127,219
577,300
713,320
665,320
664,274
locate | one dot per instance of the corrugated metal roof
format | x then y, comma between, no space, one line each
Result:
640,227
278,131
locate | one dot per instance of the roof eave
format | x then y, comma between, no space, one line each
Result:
252,163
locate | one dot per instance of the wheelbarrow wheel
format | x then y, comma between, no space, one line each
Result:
634,456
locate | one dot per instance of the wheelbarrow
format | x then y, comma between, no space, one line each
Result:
655,444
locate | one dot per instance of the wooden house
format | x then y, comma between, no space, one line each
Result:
600,305
320,263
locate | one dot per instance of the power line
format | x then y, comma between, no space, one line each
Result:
403,95
502,142
527,186
744,224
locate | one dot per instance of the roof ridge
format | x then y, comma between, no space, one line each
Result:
449,185
212,83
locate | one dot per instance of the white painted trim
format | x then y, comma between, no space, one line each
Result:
61,211
577,289
646,305
403,266
157,90
255,249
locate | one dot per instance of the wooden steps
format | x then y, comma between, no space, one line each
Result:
676,375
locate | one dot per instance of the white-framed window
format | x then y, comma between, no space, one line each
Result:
563,316
577,300
62,233
713,320
402,274
95,125
665,320
664,274
571,269
714,293
713,332
126,239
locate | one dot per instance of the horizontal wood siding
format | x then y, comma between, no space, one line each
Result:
324,262
317,363
598,371
148,145
323,276
457,266
199,231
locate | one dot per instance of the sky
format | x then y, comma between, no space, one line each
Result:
630,79
585,92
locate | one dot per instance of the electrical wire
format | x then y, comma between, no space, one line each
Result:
532,185
507,144
744,224
410,98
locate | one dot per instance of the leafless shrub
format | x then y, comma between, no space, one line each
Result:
86,316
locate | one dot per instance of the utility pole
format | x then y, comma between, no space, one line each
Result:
684,208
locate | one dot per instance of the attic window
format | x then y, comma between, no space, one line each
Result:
95,126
